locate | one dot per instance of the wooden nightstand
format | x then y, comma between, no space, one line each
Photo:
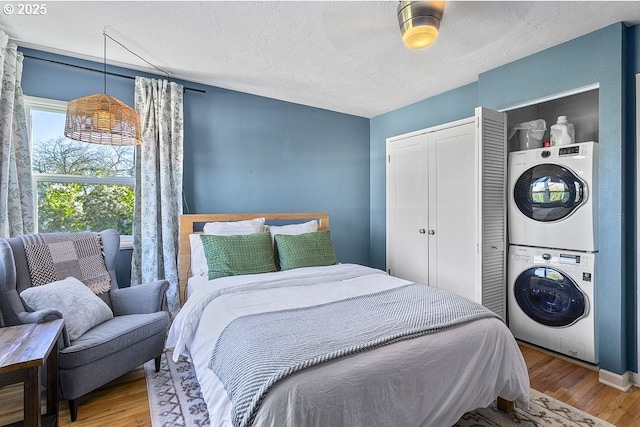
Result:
25,348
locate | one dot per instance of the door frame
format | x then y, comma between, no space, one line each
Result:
638,229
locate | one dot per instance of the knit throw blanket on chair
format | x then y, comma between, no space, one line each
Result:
56,256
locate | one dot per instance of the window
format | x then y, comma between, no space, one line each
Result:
78,186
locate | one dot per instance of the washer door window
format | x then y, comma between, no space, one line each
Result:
549,192
550,297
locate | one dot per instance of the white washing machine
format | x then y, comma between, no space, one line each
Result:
553,197
550,300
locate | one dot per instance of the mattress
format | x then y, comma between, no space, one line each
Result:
426,381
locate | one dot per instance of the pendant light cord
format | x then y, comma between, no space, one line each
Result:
104,32
104,62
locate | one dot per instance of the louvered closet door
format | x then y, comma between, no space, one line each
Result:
453,210
492,131
407,209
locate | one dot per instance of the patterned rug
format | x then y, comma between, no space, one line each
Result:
175,401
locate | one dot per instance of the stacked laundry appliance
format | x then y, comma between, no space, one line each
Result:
552,256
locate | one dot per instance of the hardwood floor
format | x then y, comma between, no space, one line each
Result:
124,402
579,387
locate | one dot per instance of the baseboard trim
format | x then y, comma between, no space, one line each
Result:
619,382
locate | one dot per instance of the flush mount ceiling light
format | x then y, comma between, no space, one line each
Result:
419,22
102,119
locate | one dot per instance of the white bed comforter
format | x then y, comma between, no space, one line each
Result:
426,381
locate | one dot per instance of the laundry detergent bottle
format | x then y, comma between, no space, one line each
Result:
562,133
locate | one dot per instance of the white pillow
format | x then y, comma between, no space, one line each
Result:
80,307
199,266
293,229
231,228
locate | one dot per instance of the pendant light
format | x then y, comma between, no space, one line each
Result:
102,119
420,22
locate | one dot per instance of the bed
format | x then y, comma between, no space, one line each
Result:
231,327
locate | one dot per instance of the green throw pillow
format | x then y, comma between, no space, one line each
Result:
305,250
238,254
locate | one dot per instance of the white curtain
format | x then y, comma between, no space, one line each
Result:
16,192
158,192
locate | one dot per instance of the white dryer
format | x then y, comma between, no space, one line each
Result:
550,300
553,197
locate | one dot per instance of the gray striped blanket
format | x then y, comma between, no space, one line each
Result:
255,351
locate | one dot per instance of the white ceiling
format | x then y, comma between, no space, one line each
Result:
343,56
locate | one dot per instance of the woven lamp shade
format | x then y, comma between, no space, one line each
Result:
102,119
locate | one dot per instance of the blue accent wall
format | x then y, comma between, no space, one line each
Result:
57,81
246,153
596,58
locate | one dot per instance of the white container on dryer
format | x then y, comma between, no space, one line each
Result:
562,133
553,197
550,300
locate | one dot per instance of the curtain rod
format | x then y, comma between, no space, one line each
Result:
82,67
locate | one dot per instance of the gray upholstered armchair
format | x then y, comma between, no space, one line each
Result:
135,334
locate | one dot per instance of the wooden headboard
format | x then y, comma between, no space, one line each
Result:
192,224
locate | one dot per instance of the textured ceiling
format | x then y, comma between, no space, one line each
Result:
339,55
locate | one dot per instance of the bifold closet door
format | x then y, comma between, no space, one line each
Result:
407,209
453,210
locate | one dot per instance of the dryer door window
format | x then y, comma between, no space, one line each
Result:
549,192
550,297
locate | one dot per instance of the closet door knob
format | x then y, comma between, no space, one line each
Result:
432,232
422,231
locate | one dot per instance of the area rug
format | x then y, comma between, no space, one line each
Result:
175,401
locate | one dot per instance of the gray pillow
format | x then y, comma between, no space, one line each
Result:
80,307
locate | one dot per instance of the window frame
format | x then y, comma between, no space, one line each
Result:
57,106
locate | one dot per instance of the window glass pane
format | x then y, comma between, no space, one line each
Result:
53,153
92,201
75,206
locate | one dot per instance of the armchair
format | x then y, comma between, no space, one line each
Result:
134,335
